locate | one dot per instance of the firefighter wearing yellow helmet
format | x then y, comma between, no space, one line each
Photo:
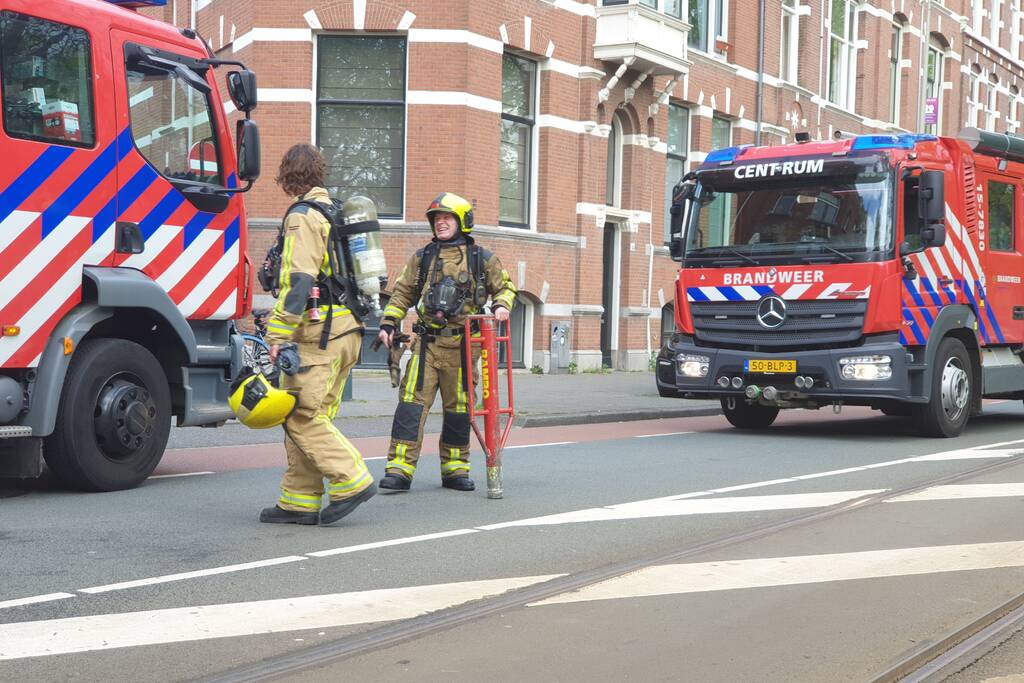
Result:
446,280
328,338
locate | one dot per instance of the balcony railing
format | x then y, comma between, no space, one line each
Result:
646,34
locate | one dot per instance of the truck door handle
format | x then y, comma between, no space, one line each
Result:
128,238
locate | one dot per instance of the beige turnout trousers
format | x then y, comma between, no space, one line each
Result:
316,449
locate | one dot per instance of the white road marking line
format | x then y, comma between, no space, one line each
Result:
963,491
182,474
707,506
678,579
651,436
203,622
20,602
535,445
386,544
191,575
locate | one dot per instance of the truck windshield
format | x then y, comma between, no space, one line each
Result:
792,212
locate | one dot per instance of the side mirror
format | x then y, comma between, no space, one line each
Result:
247,137
933,235
242,89
931,202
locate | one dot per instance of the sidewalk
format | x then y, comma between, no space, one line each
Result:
547,400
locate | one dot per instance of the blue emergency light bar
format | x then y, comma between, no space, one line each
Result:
726,155
903,141
133,4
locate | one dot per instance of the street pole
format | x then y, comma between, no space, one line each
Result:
760,71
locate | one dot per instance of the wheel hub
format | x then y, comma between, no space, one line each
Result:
955,389
124,417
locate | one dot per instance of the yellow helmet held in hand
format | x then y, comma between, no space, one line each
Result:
455,205
257,403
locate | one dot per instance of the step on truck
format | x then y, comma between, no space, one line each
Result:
122,237
873,270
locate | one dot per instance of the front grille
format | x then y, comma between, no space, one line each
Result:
808,323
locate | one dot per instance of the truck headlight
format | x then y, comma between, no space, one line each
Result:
692,365
866,368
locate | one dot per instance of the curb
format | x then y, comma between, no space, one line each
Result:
565,419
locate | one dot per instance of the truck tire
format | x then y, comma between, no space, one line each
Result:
947,411
113,419
749,416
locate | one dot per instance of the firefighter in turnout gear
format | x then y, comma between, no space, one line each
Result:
448,279
315,448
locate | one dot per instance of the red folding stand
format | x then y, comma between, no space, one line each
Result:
494,436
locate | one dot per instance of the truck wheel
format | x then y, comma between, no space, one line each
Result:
113,419
952,386
749,416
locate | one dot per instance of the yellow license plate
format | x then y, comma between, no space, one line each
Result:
763,365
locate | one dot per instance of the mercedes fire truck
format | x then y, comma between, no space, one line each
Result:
876,270
122,237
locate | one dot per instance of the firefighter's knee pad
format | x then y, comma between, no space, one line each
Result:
406,425
455,429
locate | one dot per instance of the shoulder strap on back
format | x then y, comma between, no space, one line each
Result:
427,255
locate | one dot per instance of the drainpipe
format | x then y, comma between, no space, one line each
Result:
760,71
192,25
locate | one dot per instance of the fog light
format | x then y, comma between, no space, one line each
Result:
865,368
808,382
737,382
693,365
799,382
752,391
770,393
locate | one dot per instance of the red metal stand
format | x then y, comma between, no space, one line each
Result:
494,436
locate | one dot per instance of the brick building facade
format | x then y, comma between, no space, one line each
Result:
565,121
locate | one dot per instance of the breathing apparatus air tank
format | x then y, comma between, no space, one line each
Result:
369,268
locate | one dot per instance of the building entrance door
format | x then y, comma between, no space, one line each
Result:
608,277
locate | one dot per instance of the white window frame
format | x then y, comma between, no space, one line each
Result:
1015,36
994,21
684,157
897,76
1011,118
992,107
616,161
974,100
940,74
534,137
847,57
789,67
713,35
978,16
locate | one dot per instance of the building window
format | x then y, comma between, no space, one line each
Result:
895,57
518,113
842,53
719,212
1015,37
520,321
47,81
1011,116
670,7
1000,215
361,117
613,166
978,16
678,149
707,24
992,108
933,83
974,101
994,22
790,41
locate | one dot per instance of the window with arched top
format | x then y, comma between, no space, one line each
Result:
613,172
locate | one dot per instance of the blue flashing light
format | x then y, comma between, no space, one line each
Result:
132,4
903,141
726,155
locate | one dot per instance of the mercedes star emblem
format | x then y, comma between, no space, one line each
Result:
771,312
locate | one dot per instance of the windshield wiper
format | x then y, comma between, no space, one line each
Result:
841,254
741,255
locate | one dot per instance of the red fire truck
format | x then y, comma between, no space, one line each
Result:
122,265
877,270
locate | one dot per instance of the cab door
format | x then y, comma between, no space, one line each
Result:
175,222
57,178
1001,297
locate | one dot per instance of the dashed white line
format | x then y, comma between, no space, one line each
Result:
182,474
535,445
651,436
385,544
192,575
21,602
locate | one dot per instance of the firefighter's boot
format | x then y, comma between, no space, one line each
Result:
395,482
340,508
275,515
458,483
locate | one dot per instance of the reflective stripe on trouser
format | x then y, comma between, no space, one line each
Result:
316,449
442,369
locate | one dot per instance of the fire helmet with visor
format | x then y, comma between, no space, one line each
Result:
257,403
457,206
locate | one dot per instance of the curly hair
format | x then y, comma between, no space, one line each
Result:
302,168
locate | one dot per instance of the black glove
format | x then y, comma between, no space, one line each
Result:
385,327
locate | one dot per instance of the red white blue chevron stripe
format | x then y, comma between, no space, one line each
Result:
57,213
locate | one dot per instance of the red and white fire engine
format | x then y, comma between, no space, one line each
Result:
122,264
877,270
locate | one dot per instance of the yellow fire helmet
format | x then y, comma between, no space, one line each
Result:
455,205
257,403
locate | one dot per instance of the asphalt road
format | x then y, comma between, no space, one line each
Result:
825,548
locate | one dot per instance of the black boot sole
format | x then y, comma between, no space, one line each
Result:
342,508
458,484
402,485
270,516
